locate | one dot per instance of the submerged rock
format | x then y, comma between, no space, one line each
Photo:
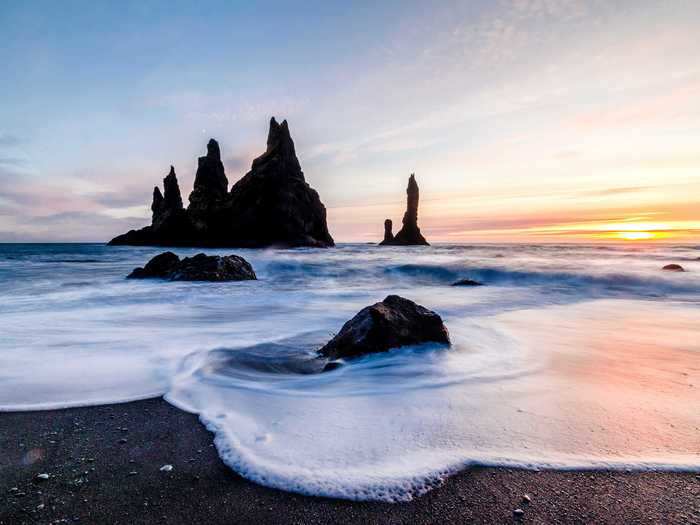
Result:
392,323
410,233
673,268
467,282
201,267
272,205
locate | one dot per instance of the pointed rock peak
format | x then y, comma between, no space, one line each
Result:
157,205
278,138
213,151
412,184
172,197
157,195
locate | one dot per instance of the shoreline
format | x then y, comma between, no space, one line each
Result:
104,466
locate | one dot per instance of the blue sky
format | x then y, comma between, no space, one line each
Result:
523,119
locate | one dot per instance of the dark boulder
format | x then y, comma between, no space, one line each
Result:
673,268
272,205
201,267
409,234
467,282
162,265
392,323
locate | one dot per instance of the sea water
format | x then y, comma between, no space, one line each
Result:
573,356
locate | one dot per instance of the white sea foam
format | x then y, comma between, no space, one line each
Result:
574,357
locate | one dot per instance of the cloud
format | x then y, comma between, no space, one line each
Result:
12,161
7,139
70,226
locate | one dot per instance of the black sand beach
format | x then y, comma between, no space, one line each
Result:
104,467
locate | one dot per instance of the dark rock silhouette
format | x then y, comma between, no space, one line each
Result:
467,282
159,266
165,207
210,186
272,205
673,268
201,267
392,323
410,233
388,234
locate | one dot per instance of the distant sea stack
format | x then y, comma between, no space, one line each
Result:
410,232
272,205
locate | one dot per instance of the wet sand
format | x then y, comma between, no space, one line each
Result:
104,467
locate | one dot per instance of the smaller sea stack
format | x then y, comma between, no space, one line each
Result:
409,234
388,234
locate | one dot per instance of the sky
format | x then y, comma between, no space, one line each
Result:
523,120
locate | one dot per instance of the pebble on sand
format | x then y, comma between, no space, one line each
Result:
166,468
42,477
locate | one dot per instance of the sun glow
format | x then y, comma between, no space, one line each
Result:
636,236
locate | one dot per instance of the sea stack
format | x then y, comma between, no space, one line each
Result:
388,234
410,232
272,205
164,207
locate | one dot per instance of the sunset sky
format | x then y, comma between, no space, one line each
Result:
524,120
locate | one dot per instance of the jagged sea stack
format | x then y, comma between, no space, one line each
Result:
410,232
272,205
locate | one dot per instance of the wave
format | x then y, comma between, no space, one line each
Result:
392,426
643,284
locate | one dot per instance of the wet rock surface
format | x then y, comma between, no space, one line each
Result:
391,323
673,268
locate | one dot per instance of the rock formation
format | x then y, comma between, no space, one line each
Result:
272,205
673,268
388,234
210,186
410,232
467,282
165,207
201,267
392,323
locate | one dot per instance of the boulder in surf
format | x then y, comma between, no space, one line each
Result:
391,323
673,268
201,267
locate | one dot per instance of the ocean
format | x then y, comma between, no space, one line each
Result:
570,357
